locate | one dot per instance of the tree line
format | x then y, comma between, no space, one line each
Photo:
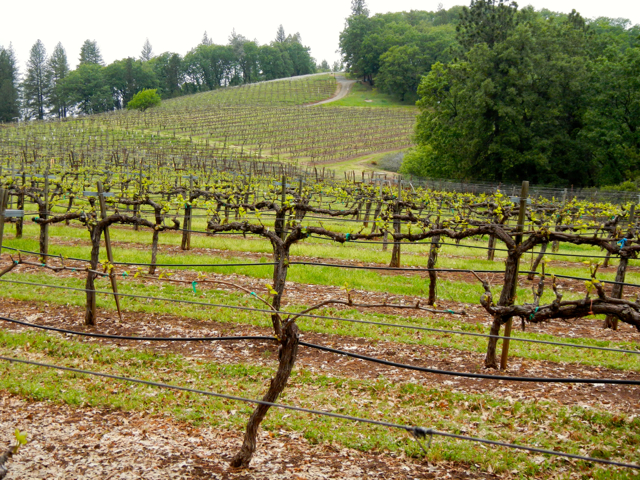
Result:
536,96
50,89
394,50
508,94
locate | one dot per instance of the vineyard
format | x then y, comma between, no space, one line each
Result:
164,269
253,122
302,91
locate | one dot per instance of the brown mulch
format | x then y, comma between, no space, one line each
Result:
611,397
98,443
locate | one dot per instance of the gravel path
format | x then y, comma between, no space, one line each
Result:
344,87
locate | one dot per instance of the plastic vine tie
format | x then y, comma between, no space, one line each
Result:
534,313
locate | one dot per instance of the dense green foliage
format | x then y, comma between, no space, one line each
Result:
144,99
396,49
210,66
9,89
532,96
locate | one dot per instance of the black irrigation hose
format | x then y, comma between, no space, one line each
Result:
436,330
373,359
340,319
454,270
443,270
150,264
191,302
419,432
149,339
506,250
609,381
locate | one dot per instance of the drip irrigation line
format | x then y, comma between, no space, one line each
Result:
454,270
180,265
204,392
608,381
4,247
411,367
416,431
149,339
189,302
340,319
332,265
196,264
458,332
535,253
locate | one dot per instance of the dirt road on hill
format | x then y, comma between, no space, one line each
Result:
344,87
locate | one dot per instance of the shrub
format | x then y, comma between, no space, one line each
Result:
144,99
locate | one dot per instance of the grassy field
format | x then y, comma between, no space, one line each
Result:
362,95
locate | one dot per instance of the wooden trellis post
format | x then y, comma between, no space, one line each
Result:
397,228
107,241
44,232
188,214
616,290
4,196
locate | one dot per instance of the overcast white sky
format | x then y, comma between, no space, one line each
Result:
120,27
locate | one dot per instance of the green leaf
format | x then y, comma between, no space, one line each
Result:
21,437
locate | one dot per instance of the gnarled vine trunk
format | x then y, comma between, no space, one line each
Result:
507,297
90,313
536,263
280,269
287,354
431,264
616,291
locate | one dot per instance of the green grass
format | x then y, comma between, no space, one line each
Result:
210,295
534,422
366,163
365,96
414,255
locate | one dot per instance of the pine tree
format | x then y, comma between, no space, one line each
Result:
9,87
206,40
147,51
280,35
57,70
34,88
90,53
359,7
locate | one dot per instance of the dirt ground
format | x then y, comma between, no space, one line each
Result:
91,443
621,398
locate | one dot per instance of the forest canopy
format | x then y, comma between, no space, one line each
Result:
508,94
